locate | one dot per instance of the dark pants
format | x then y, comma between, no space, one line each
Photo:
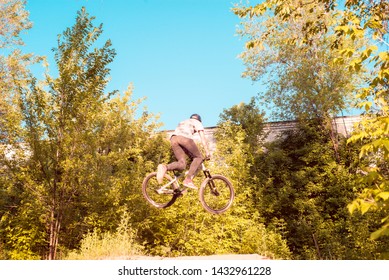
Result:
181,147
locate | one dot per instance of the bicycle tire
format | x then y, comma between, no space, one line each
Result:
149,187
220,202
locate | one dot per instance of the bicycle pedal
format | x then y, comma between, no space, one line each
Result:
180,193
159,191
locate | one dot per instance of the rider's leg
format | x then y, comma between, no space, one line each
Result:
179,153
161,170
197,159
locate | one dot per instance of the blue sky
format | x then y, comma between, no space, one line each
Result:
179,54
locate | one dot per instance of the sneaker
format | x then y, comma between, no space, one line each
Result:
189,184
161,170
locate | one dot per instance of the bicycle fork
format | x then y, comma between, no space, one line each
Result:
211,183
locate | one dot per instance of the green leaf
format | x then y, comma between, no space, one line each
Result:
366,53
373,24
342,28
365,206
353,206
383,195
380,232
384,55
347,52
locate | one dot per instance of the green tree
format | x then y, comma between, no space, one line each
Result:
250,118
60,122
360,19
15,20
81,156
14,71
303,82
83,150
304,192
13,64
371,20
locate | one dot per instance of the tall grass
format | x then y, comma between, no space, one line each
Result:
98,245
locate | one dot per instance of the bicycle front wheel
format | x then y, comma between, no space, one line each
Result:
154,192
216,194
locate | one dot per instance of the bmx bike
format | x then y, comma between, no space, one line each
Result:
216,192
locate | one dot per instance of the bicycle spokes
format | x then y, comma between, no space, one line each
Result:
216,194
159,195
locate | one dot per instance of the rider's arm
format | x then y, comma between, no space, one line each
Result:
204,142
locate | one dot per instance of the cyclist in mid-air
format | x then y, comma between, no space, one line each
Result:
182,143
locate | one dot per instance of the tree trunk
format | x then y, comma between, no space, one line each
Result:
334,139
330,125
55,226
55,215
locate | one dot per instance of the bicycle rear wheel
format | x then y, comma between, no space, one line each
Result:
216,194
151,190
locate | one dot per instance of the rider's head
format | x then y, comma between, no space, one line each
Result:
196,116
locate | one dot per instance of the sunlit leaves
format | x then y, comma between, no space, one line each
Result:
79,141
359,20
373,200
14,20
292,55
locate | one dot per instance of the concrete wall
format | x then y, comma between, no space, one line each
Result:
344,126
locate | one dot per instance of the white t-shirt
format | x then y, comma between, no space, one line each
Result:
188,128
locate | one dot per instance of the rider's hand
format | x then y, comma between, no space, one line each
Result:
207,156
